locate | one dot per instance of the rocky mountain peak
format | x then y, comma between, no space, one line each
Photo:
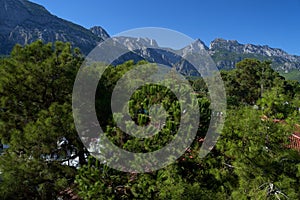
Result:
235,46
264,50
227,53
100,32
198,45
229,45
23,22
136,43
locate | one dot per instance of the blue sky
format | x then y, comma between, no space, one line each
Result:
265,22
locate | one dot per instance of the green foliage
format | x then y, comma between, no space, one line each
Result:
292,75
247,83
276,103
35,115
256,150
252,159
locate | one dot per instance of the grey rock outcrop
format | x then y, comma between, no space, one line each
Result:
23,22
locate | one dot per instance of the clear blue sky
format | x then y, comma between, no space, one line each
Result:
265,22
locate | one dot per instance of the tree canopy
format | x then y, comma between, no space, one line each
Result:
253,158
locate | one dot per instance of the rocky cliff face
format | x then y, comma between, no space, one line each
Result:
100,32
227,53
23,22
149,50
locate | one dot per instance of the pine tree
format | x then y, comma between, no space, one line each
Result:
35,94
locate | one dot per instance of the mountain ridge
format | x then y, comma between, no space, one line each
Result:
23,22
225,53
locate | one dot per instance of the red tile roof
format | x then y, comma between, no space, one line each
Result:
295,141
294,138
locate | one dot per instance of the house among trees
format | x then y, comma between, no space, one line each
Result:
295,139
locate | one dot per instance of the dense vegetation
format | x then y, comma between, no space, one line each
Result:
252,159
292,75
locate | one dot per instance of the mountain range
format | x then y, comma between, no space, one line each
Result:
23,22
225,53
